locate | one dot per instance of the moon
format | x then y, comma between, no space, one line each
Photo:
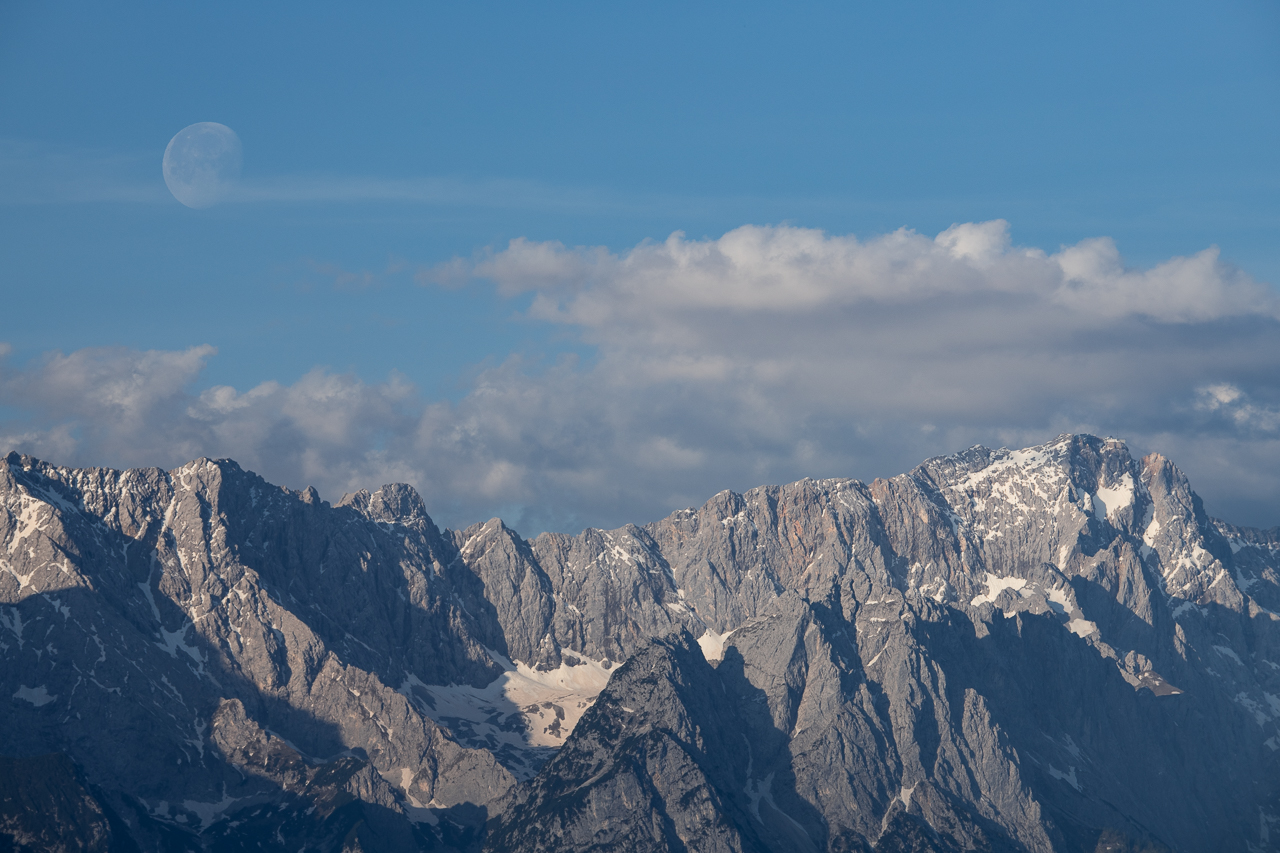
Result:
202,163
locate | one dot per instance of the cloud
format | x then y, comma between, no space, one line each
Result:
489,193
353,280
799,270
38,173
113,391
766,355
1230,401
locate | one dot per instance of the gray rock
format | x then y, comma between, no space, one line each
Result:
1051,649
1113,637
139,603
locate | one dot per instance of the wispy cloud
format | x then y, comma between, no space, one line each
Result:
32,174
765,355
434,191
1229,401
37,174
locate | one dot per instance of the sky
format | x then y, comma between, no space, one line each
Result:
582,264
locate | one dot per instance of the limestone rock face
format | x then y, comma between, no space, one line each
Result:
1048,649
136,604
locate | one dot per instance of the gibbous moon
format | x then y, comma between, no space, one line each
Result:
202,163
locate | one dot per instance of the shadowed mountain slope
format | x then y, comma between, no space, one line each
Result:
1044,649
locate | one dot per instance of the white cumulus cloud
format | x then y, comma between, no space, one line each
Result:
764,355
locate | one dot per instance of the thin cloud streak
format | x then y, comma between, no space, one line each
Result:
434,191
38,174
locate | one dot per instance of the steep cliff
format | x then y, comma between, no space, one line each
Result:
1038,649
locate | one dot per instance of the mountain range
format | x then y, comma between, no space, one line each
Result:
1046,649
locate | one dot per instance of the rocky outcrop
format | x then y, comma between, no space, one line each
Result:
1047,649
139,603
1004,649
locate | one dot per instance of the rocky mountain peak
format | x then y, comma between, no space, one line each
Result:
1029,649
396,503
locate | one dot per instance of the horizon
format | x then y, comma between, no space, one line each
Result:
341,499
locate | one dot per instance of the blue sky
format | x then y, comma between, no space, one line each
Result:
382,146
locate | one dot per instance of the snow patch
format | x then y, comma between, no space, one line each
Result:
1082,627
14,623
37,696
29,522
415,810
209,812
1228,652
587,677
172,641
712,644
758,789
997,585
406,688
521,709
1109,500
1059,601
1244,583
1149,535
905,796
1069,778
1253,706
1063,553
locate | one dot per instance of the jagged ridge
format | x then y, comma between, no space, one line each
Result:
998,650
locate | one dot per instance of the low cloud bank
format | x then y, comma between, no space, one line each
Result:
769,354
